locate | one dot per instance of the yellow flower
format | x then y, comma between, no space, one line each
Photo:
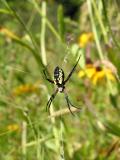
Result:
102,74
85,38
26,88
13,127
96,74
99,75
89,71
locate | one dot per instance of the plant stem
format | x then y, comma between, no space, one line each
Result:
42,37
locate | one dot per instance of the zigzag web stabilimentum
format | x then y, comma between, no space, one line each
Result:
67,53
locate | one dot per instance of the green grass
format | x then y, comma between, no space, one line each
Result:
35,36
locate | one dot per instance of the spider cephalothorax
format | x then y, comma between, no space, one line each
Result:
59,81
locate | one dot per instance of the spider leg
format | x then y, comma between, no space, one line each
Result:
51,81
73,69
73,105
51,99
70,104
67,100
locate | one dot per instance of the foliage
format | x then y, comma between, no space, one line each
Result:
37,35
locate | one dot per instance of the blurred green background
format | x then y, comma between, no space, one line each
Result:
37,35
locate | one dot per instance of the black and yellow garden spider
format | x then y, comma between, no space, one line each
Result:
60,83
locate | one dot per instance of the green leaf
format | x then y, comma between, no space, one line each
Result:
3,103
61,24
112,128
113,100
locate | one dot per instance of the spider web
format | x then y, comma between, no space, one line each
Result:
62,153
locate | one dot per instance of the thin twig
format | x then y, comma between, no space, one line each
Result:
63,112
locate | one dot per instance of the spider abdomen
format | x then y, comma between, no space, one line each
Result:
58,76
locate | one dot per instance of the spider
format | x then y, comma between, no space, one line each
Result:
60,81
